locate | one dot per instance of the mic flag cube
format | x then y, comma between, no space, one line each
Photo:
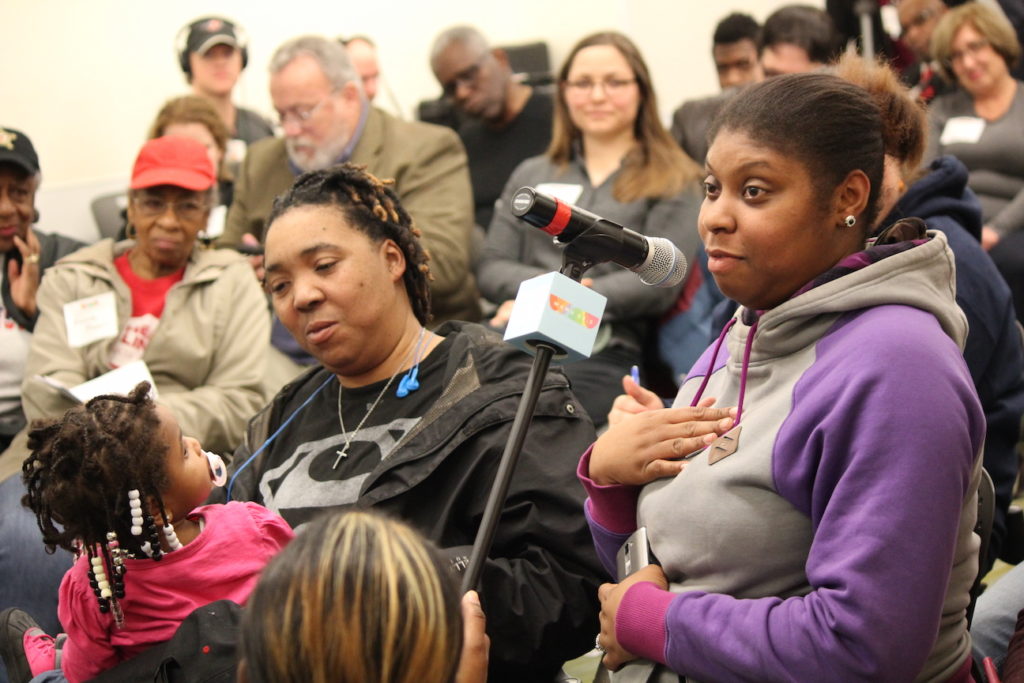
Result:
556,309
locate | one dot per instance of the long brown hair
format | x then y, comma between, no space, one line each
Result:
656,167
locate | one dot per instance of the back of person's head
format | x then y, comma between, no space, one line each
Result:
330,55
656,167
355,598
841,129
904,118
809,28
990,22
372,207
736,27
191,109
84,464
362,52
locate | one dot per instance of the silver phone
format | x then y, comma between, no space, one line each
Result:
634,554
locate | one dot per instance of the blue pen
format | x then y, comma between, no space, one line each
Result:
634,372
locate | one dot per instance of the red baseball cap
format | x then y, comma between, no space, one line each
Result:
177,161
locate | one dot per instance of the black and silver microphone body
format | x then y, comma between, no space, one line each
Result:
655,259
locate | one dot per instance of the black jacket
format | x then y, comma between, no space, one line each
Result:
539,588
993,350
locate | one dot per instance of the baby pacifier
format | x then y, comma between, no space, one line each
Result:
218,470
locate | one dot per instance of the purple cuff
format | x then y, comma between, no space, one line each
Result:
612,506
640,621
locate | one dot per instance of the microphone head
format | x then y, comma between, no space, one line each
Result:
523,201
665,265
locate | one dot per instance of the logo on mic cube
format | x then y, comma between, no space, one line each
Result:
556,309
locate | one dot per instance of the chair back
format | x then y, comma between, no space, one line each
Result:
108,212
983,527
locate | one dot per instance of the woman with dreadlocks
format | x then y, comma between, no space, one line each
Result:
125,487
414,422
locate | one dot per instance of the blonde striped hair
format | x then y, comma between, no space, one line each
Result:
356,598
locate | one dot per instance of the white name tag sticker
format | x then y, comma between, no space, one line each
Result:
567,192
91,319
962,130
235,152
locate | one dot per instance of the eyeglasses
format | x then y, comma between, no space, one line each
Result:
301,115
467,78
152,206
919,20
972,48
610,86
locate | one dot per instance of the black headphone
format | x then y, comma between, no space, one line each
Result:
181,42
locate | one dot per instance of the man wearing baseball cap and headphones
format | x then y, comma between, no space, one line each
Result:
212,51
26,255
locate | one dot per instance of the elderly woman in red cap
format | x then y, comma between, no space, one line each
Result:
195,317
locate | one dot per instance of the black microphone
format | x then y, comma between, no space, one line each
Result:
655,259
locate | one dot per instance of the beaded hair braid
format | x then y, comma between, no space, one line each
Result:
372,207
79,475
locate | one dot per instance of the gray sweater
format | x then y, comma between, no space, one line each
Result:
515,251
995,161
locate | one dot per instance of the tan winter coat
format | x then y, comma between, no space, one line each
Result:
207,355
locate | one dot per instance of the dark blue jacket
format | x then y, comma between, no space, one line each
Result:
993,352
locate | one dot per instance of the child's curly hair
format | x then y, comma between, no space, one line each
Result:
84,464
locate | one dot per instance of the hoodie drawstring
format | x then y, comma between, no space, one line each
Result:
743,367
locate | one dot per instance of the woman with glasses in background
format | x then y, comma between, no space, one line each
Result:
610,155
982,125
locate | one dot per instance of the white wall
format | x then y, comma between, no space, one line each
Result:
84,79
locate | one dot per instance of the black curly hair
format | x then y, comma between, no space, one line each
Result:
84,464
373,208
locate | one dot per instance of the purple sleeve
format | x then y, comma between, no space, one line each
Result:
878,451
610,511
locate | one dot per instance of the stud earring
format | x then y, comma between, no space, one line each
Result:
850,221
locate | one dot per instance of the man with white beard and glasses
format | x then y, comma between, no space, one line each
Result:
327,120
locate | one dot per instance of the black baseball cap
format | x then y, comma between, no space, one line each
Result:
210,31
16,148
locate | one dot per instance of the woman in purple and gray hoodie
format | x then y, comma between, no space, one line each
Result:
822,530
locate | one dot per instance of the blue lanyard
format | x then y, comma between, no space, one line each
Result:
273,436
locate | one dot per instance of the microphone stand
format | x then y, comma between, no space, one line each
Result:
865,9
578,256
